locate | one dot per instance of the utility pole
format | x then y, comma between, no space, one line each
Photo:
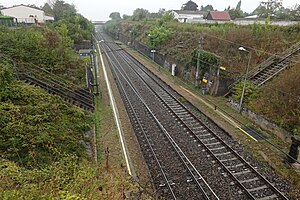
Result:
245,81
198,62
94,55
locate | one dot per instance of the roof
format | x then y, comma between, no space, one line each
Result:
190,12
22,5
251,17
49,18
220,15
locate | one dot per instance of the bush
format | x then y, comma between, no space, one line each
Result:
49,48
37,127
251,92
157,36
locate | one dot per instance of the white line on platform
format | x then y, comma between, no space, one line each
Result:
227,118
116,115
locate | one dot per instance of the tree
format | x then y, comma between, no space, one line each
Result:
47,9
268,8
234,13
126,16
115,15
158,14
139,14
157,36
238,6
61,9
1,7
207,8
190,5
294,13
168,16
284,14
237,12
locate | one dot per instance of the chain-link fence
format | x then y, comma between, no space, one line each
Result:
161,59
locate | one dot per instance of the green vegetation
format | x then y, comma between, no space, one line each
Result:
42,136
36,126
251,92
220,47
279,100
157,36
46,47
79,28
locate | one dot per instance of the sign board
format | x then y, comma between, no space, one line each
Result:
222,68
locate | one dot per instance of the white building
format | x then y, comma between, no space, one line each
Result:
26,14
189,16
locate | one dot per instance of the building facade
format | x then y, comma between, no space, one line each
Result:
26,14
189,16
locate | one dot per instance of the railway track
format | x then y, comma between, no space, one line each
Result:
174,140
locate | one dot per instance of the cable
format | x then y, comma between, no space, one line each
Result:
241,123
216,66
252,48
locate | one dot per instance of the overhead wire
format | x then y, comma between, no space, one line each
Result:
241,123
248,47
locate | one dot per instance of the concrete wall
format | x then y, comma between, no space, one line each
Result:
264,123
243,22
23,13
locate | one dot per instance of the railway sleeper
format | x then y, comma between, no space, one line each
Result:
197,128
273,196
208,139
241,172
235,165
170,101
189,119
179,113
202,135
210,144
228,159
217,148
257,188
176,107
202,131
221,154
184,118
249,180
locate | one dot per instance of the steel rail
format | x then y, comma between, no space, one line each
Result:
173,143
271,186
147,138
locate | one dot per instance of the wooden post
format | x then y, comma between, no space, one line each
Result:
106,158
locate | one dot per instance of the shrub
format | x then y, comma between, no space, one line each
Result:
157,36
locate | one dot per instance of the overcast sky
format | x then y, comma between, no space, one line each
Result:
100,9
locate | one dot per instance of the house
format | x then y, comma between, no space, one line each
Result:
218,16
188,15
26,14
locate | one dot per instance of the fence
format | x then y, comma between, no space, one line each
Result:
263,122
243,22
161,59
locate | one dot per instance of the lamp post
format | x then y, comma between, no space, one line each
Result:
197,82
245,79
153,53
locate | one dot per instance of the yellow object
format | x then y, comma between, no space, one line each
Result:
204,80
222,68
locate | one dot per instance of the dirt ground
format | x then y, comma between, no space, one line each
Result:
109,139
